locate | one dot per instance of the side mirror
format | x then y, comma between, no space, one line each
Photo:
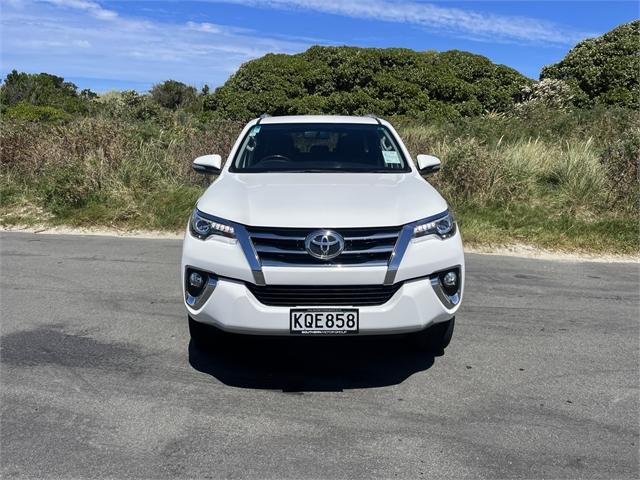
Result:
210,164
428,164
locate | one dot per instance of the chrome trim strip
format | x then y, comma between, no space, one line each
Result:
197,302
250,253
271,249
375,236
246,244
447,300
370,263
406,235
273,236
378,249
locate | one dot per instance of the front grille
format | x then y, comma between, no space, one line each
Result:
319,295
285,246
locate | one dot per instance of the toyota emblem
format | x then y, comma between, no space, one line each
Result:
324,244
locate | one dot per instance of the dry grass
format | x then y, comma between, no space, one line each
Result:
101,171
505,183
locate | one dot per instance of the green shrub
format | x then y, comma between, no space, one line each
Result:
468,171
172,94
603,70
36,113
620,159
130,105
354,80
65,187
43,89
548,93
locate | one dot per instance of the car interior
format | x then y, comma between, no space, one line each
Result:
280,148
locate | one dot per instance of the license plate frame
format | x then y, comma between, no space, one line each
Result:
313,321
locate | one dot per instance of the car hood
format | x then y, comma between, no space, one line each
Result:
332,200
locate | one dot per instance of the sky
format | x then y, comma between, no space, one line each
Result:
127,44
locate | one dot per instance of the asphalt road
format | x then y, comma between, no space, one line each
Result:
99,380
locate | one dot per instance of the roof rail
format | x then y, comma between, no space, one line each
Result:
375,117
264,115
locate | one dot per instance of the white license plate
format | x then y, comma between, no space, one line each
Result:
319,321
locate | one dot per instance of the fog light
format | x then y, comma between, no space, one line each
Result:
448,286
450,279
196,280
199,285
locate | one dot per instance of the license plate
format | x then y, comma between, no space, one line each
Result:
320,321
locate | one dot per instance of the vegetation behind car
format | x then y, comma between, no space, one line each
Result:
552,163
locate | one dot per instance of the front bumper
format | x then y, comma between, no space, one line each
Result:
232,307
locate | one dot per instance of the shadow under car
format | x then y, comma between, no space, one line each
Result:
298,364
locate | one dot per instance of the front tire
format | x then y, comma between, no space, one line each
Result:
202,335
436,338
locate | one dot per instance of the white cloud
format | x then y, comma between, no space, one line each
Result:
204,27
77,38
439,19
81,38
92,8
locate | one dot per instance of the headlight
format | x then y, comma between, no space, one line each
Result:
203,227
444,227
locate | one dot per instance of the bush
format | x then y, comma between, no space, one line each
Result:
43,89
500,160
172,94
36,113
132,106
620,160
65,187
350,80
548,93
603,70
468,171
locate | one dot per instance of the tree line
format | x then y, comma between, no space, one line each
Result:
350,80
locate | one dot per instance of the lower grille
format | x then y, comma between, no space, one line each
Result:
318,295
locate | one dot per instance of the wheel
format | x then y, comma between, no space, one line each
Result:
202,335
436,338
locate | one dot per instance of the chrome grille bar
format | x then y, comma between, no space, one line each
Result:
273,236
270,249
286,246
381,249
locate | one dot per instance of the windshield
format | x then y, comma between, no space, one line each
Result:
325,147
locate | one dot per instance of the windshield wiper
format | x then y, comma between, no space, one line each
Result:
305,170
325,170
362,170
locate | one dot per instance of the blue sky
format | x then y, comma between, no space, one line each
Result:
106,44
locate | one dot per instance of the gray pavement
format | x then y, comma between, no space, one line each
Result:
99,380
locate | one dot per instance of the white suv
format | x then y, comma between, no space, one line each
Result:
322,225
